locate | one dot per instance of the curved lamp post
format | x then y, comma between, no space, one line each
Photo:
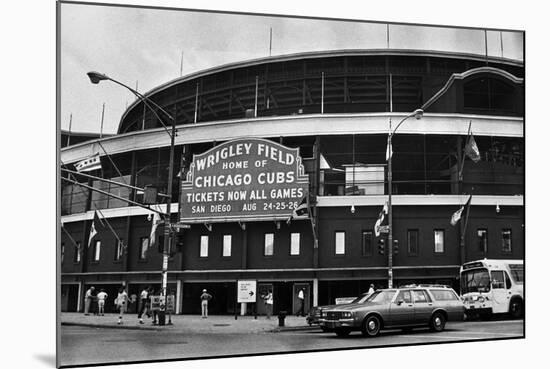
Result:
418,113
95,78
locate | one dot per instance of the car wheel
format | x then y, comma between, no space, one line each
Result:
437,322
342,332
516,309
371,326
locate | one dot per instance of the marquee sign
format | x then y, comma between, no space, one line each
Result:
244,179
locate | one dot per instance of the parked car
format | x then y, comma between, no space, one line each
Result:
407,307
315,312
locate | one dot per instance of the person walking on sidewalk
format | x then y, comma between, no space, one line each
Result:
268,300
121,302
144,301
88,300
101,297
205,297
301,302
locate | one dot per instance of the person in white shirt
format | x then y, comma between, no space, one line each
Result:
88,300
101,297
205,297
268,299
301,301
371,289
121,302
144,300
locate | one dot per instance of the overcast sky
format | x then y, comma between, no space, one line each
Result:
143,48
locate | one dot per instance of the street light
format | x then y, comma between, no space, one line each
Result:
418,113
95,78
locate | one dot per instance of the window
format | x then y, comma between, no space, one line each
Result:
97,250
295,244
366,243
444,295
412,242
439,240
204,246
482,240
420,296
143,247
506,240
497,279
404,296
268,244
62,252
118,250
226,245
508,281
340,243
77,253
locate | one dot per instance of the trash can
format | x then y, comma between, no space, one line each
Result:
162,317
282,316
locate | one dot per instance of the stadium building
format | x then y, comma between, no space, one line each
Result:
336,108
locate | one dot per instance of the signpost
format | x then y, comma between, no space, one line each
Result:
247,179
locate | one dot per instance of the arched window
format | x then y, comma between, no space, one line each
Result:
486,93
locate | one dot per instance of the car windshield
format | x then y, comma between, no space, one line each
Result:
476,280
381,296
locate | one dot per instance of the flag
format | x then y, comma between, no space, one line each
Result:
89,164
155,223
471,149
389,151
458,214
300,210
381,216
93,229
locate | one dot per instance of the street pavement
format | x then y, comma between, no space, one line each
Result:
87,340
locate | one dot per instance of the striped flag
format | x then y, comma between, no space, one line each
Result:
458,214
300,211
89,164
381,216
155,223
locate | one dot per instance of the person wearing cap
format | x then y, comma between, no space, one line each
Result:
371,289
205,297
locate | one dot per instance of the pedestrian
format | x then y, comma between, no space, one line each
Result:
268,300
143,302
121,302
88,300
93,306
205,297
101,297
301,302
150,305
371,289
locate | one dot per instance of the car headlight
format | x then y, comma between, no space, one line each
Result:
347,314
324,314
481,299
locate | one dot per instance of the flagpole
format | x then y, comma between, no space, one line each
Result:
464,225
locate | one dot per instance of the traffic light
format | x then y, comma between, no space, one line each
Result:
381,246
395,247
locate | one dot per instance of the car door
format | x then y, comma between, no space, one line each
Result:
402,308
423,306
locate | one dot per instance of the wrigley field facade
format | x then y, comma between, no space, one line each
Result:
260,140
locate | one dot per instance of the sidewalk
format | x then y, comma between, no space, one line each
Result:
191,323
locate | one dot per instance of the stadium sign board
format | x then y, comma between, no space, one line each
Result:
246,179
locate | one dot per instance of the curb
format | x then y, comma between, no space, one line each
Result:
291,329
121,326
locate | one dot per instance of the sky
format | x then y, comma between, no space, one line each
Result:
144,48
